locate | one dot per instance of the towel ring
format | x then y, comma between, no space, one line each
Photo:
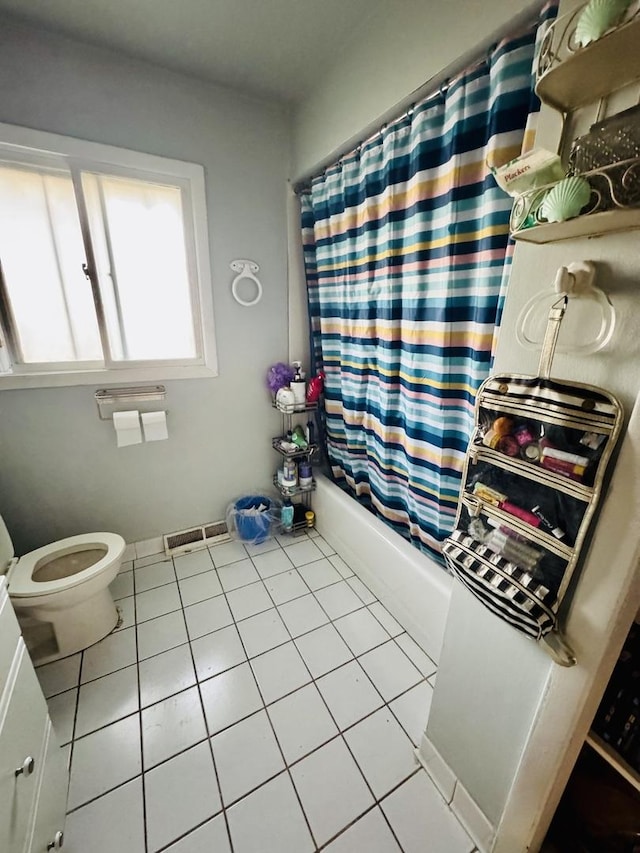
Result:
245,270
592,317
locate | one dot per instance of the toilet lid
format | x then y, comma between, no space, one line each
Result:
86,555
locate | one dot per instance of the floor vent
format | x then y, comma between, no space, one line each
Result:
195,538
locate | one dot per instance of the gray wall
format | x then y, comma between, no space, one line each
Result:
60,472
389,56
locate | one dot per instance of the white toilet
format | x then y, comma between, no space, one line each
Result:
61,592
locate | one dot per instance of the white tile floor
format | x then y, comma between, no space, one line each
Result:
254,700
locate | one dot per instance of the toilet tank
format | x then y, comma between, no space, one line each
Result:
6,548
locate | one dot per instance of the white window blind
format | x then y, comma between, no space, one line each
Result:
41,250
142,267
100,269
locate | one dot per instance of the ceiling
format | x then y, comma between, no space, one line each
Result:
273,48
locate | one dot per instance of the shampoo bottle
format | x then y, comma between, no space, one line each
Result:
305,477
286,514
289,474
311,432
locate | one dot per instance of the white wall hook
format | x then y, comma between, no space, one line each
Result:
245,270
576,278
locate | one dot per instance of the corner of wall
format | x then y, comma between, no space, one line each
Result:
298,325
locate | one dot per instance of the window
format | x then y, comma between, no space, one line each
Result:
104,269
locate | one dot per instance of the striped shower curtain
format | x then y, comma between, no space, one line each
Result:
406,253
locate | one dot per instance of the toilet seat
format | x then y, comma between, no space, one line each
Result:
20,581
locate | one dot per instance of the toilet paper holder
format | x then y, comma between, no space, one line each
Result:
110,400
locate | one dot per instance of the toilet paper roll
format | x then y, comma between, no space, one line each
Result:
127,427
155,426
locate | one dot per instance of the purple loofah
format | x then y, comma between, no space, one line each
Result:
279,376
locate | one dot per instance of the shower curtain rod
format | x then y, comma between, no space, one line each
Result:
432,88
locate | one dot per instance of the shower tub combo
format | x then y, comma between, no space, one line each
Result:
414,588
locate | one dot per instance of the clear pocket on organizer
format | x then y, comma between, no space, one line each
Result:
535,504
533,551
571,452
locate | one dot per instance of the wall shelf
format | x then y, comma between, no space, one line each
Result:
589,225
309,450
290,491
614,205
612,758
569,76
294,408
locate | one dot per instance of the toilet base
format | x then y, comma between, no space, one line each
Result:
52,633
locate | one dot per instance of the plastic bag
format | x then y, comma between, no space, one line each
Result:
253,518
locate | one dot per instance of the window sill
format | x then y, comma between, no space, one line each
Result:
129,375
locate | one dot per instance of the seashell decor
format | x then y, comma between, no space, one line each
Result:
597,17
565,200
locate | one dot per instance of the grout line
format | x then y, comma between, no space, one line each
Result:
142,761
393,636
119,719
242,586
313,681
376,805
267,705
426,677
257,787
351,823
399,696
104,794
275,734
247,660
75,720
204,716
179,752
340,735
188,832
391,791
293,639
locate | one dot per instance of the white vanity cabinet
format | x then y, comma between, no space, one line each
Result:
33,772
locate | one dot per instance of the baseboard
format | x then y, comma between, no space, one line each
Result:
129,553
464,807
148,547
437,768
472,818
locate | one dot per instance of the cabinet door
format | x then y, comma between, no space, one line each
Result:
23,720
52,796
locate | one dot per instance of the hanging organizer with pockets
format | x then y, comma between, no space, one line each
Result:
532,481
